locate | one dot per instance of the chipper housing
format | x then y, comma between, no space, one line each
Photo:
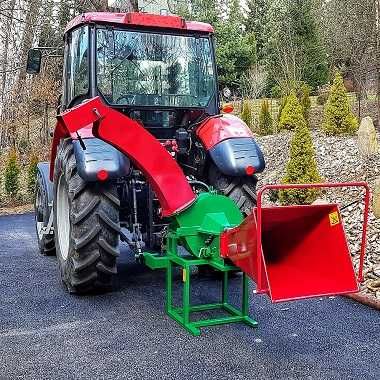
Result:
290,252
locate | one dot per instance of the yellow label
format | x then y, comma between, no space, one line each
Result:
334,218
183,275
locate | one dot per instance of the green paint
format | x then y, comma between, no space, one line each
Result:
210,215
198,229
154,261
183,314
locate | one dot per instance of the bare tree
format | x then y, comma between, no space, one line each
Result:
289,63
350,34
378,58
253,82
124,5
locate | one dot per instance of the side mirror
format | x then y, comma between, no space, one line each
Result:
33,65
226,93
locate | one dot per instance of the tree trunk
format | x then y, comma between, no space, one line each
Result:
27,39
124,5
4,60
378,60
100,5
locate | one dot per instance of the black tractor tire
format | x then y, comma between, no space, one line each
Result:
88,242
42,209
242,190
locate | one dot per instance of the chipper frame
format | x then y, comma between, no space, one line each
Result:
291,252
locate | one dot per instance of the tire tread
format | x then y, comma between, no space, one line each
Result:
95,228
241,189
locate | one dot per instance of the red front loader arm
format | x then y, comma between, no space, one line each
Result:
145,151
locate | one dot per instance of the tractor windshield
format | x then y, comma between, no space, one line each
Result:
148,69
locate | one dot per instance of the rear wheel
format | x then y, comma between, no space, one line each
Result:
86,225
242,190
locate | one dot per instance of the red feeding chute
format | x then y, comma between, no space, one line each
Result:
295,252
161,170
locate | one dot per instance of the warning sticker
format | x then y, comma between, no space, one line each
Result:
183,275
334,218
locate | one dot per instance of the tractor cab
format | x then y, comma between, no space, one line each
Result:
158,70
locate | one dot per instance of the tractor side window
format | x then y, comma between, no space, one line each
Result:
77,65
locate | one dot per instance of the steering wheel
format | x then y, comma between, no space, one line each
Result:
130,98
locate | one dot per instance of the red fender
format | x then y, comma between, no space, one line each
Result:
222,127
145,151
60,132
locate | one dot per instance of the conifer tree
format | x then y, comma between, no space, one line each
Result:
304,98
301,168
256,22
292,113
338,118
281,106
265,119
302,91
246,114
12,173
294,50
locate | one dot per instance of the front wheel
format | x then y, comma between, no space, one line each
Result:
86,225
242,190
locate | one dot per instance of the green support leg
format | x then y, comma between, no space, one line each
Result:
225,288
169,287
186,294
244,307
245,303
183,314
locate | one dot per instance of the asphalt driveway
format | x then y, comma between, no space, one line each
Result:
46,333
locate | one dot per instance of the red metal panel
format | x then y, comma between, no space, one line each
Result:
366,200
218,128
296,252
84,133
161,170
302,255
140,19
60,132
239,244
154,20
199,26
305,255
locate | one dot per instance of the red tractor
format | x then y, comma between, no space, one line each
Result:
142,153
160,72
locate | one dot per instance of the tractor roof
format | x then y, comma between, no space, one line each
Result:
147,20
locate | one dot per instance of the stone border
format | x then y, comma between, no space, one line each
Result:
365,300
